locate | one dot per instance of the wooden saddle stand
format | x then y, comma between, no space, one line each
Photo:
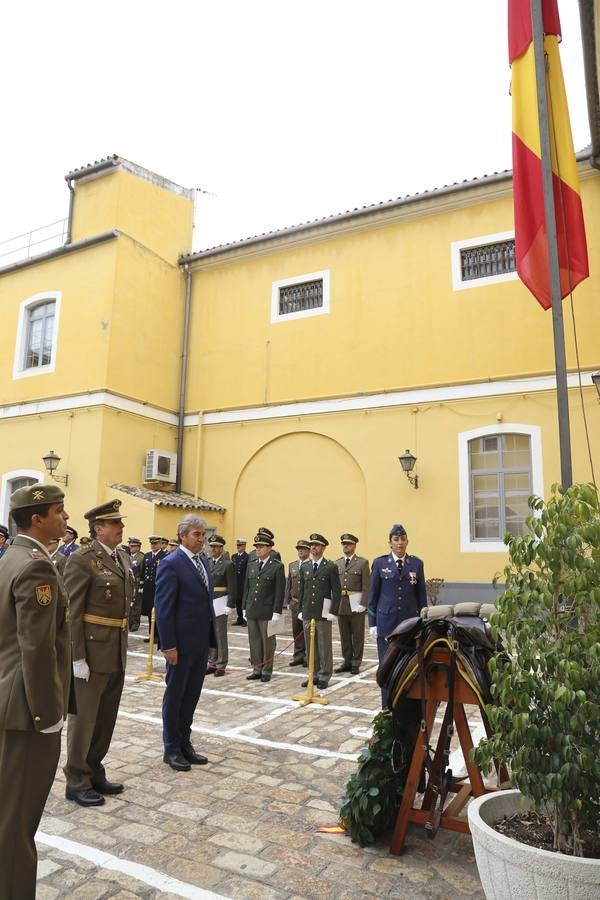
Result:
441,658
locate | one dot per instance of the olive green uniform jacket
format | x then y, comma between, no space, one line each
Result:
99,586
355,579
315,588
35,645
224,578
263,593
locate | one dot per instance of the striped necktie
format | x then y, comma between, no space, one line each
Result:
201,569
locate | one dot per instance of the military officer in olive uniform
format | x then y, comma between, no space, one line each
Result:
319,581
262,603
240,562
58,558
224,587
291,599
35,677
266,532
355,578
99,582
136,559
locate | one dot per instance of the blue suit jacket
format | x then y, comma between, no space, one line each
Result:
184,609
394,597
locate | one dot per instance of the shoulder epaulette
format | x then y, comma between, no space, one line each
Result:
87,548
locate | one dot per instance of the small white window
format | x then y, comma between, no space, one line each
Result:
11,482
35,352
480,261
299,297
500,466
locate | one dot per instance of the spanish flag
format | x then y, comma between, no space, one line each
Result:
530,225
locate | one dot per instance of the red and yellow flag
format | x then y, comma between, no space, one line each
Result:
530,225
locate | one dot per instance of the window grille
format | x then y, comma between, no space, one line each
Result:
487,260
295,298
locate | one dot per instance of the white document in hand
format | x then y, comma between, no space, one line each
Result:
326,607
220,605
356,602
275,627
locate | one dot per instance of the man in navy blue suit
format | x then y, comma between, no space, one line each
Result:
397,591
186,624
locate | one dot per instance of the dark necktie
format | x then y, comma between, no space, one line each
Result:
315,567
260,565
400,563
201,569
347,563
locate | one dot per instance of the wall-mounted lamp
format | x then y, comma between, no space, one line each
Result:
596,380
51,461
407,461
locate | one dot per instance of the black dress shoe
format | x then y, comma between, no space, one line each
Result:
89,797
321,685
107,787
355,670
177,761
196,759
219,672
343,668
265,677
239,622
210,670
296,662
256,676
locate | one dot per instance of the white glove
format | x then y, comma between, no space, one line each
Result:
331,618
54,728
299,616
275,617
81,669
244,615
373,631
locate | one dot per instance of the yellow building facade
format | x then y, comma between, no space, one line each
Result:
315,356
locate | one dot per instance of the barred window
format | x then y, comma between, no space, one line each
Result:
300,297
487,260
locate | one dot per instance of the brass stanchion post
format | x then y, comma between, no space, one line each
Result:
149,676
309,697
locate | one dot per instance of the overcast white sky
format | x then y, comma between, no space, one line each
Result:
284,110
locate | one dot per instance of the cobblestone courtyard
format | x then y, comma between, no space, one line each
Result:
243,826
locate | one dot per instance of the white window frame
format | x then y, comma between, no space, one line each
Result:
299,279
534,432
471,243
19,371
5,493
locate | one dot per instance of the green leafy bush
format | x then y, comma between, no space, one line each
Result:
374,791
546,686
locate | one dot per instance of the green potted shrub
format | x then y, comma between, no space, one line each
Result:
546,689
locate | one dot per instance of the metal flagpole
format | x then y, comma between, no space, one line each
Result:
564,433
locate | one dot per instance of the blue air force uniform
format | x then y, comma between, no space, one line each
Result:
396,593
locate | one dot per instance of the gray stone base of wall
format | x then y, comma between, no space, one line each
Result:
469,592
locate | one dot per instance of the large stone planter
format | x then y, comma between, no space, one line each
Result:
510,870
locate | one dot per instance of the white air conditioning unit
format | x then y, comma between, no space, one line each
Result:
160,466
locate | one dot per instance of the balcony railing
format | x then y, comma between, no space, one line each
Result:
33,243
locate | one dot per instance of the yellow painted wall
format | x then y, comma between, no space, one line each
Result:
158,218
395,321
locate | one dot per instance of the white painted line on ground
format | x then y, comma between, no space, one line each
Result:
456,762
281,701
103,860
256,723
246,739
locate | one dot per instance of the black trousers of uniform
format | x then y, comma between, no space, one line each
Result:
28,761
90,732
184,686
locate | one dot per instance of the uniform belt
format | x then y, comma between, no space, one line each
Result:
220,590
104,620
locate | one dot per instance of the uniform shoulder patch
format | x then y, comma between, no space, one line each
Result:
86,548
43,594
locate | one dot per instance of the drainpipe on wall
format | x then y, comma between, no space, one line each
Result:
183,377
70,218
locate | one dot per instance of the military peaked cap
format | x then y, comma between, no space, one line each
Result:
106,512
302,543
153,539
241,541
397,531
266,532
216,539
349,538
4,531
318,539
173,543
134,540
262,539
72,530
36,495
